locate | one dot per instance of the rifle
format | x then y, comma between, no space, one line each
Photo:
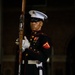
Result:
21,33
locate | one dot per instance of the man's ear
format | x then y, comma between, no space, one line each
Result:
41,23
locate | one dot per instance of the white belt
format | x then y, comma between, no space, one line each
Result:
31,61
37,65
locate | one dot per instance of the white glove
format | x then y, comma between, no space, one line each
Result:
40,70
25,43
39,65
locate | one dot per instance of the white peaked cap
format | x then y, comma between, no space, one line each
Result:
37,14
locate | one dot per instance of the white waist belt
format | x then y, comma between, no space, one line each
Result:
32,61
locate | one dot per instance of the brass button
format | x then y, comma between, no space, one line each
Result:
34,49
37,51
26,54
30,39
34,32
34,43
32,36
30,48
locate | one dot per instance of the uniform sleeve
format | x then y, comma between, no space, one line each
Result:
46,47
44,50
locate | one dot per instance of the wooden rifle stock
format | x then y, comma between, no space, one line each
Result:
21,34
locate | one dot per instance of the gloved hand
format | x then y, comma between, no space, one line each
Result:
39,65
25,43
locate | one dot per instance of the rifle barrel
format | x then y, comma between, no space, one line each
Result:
21,33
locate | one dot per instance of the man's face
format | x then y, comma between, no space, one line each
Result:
36,26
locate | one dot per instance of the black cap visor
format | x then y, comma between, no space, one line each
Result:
35,19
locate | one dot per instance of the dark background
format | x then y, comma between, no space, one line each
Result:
60,26
53,3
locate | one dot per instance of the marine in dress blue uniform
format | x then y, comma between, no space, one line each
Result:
39,48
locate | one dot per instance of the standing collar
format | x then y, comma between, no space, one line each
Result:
36,32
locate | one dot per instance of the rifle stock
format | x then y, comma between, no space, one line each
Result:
21,34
